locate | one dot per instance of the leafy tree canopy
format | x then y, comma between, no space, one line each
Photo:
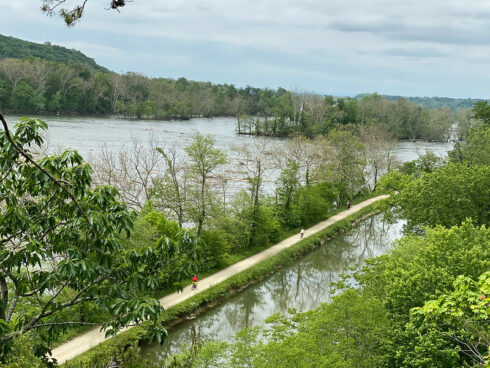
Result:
60,247
445,197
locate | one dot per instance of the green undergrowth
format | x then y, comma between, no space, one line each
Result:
125,347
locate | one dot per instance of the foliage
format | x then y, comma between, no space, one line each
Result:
60,247
22,355
215,248
462,316
75,12
390,321
204,159
475,150
346,170
350,331
434,102
447,197
482,112
287,190
416,271
425,163
11,47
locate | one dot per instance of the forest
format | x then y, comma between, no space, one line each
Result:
39,86
454,104
37,78
11,47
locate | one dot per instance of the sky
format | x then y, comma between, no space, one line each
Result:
337,47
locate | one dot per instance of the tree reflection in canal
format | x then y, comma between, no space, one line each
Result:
303,285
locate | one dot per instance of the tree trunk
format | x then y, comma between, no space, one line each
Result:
4,291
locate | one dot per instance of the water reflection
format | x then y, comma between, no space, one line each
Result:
303,285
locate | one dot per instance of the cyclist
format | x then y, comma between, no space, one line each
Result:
194,282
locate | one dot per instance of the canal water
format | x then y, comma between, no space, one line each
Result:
303,285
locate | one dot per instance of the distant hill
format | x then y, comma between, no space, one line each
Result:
11,47
433,102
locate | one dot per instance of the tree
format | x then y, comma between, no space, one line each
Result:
72,14
475,150
349,332
171,189
307,154
482,112
257,160
461,316
417,270
287,189
380,145
60,247
204,159
447,197
131,171
346,168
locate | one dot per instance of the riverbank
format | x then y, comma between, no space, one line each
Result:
211,289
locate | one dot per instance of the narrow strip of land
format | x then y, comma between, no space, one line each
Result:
94,337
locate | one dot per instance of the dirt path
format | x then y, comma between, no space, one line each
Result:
92,338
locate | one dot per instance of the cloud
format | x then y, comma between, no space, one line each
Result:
410,52
404,47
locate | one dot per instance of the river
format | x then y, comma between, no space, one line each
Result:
303,285
89,134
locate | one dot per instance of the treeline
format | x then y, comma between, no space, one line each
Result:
11,47
35,86
454,104
312,115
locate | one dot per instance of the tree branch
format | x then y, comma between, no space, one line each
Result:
48,174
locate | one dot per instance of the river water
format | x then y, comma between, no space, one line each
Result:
89,134
302,285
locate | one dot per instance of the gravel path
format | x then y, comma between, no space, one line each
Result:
94,337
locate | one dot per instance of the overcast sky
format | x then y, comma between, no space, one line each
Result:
339,47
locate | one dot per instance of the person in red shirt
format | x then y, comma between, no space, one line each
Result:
194,282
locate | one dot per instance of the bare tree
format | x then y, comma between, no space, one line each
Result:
131,171
308,155
170,189
257,158
379,148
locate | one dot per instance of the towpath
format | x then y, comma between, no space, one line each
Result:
94,337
